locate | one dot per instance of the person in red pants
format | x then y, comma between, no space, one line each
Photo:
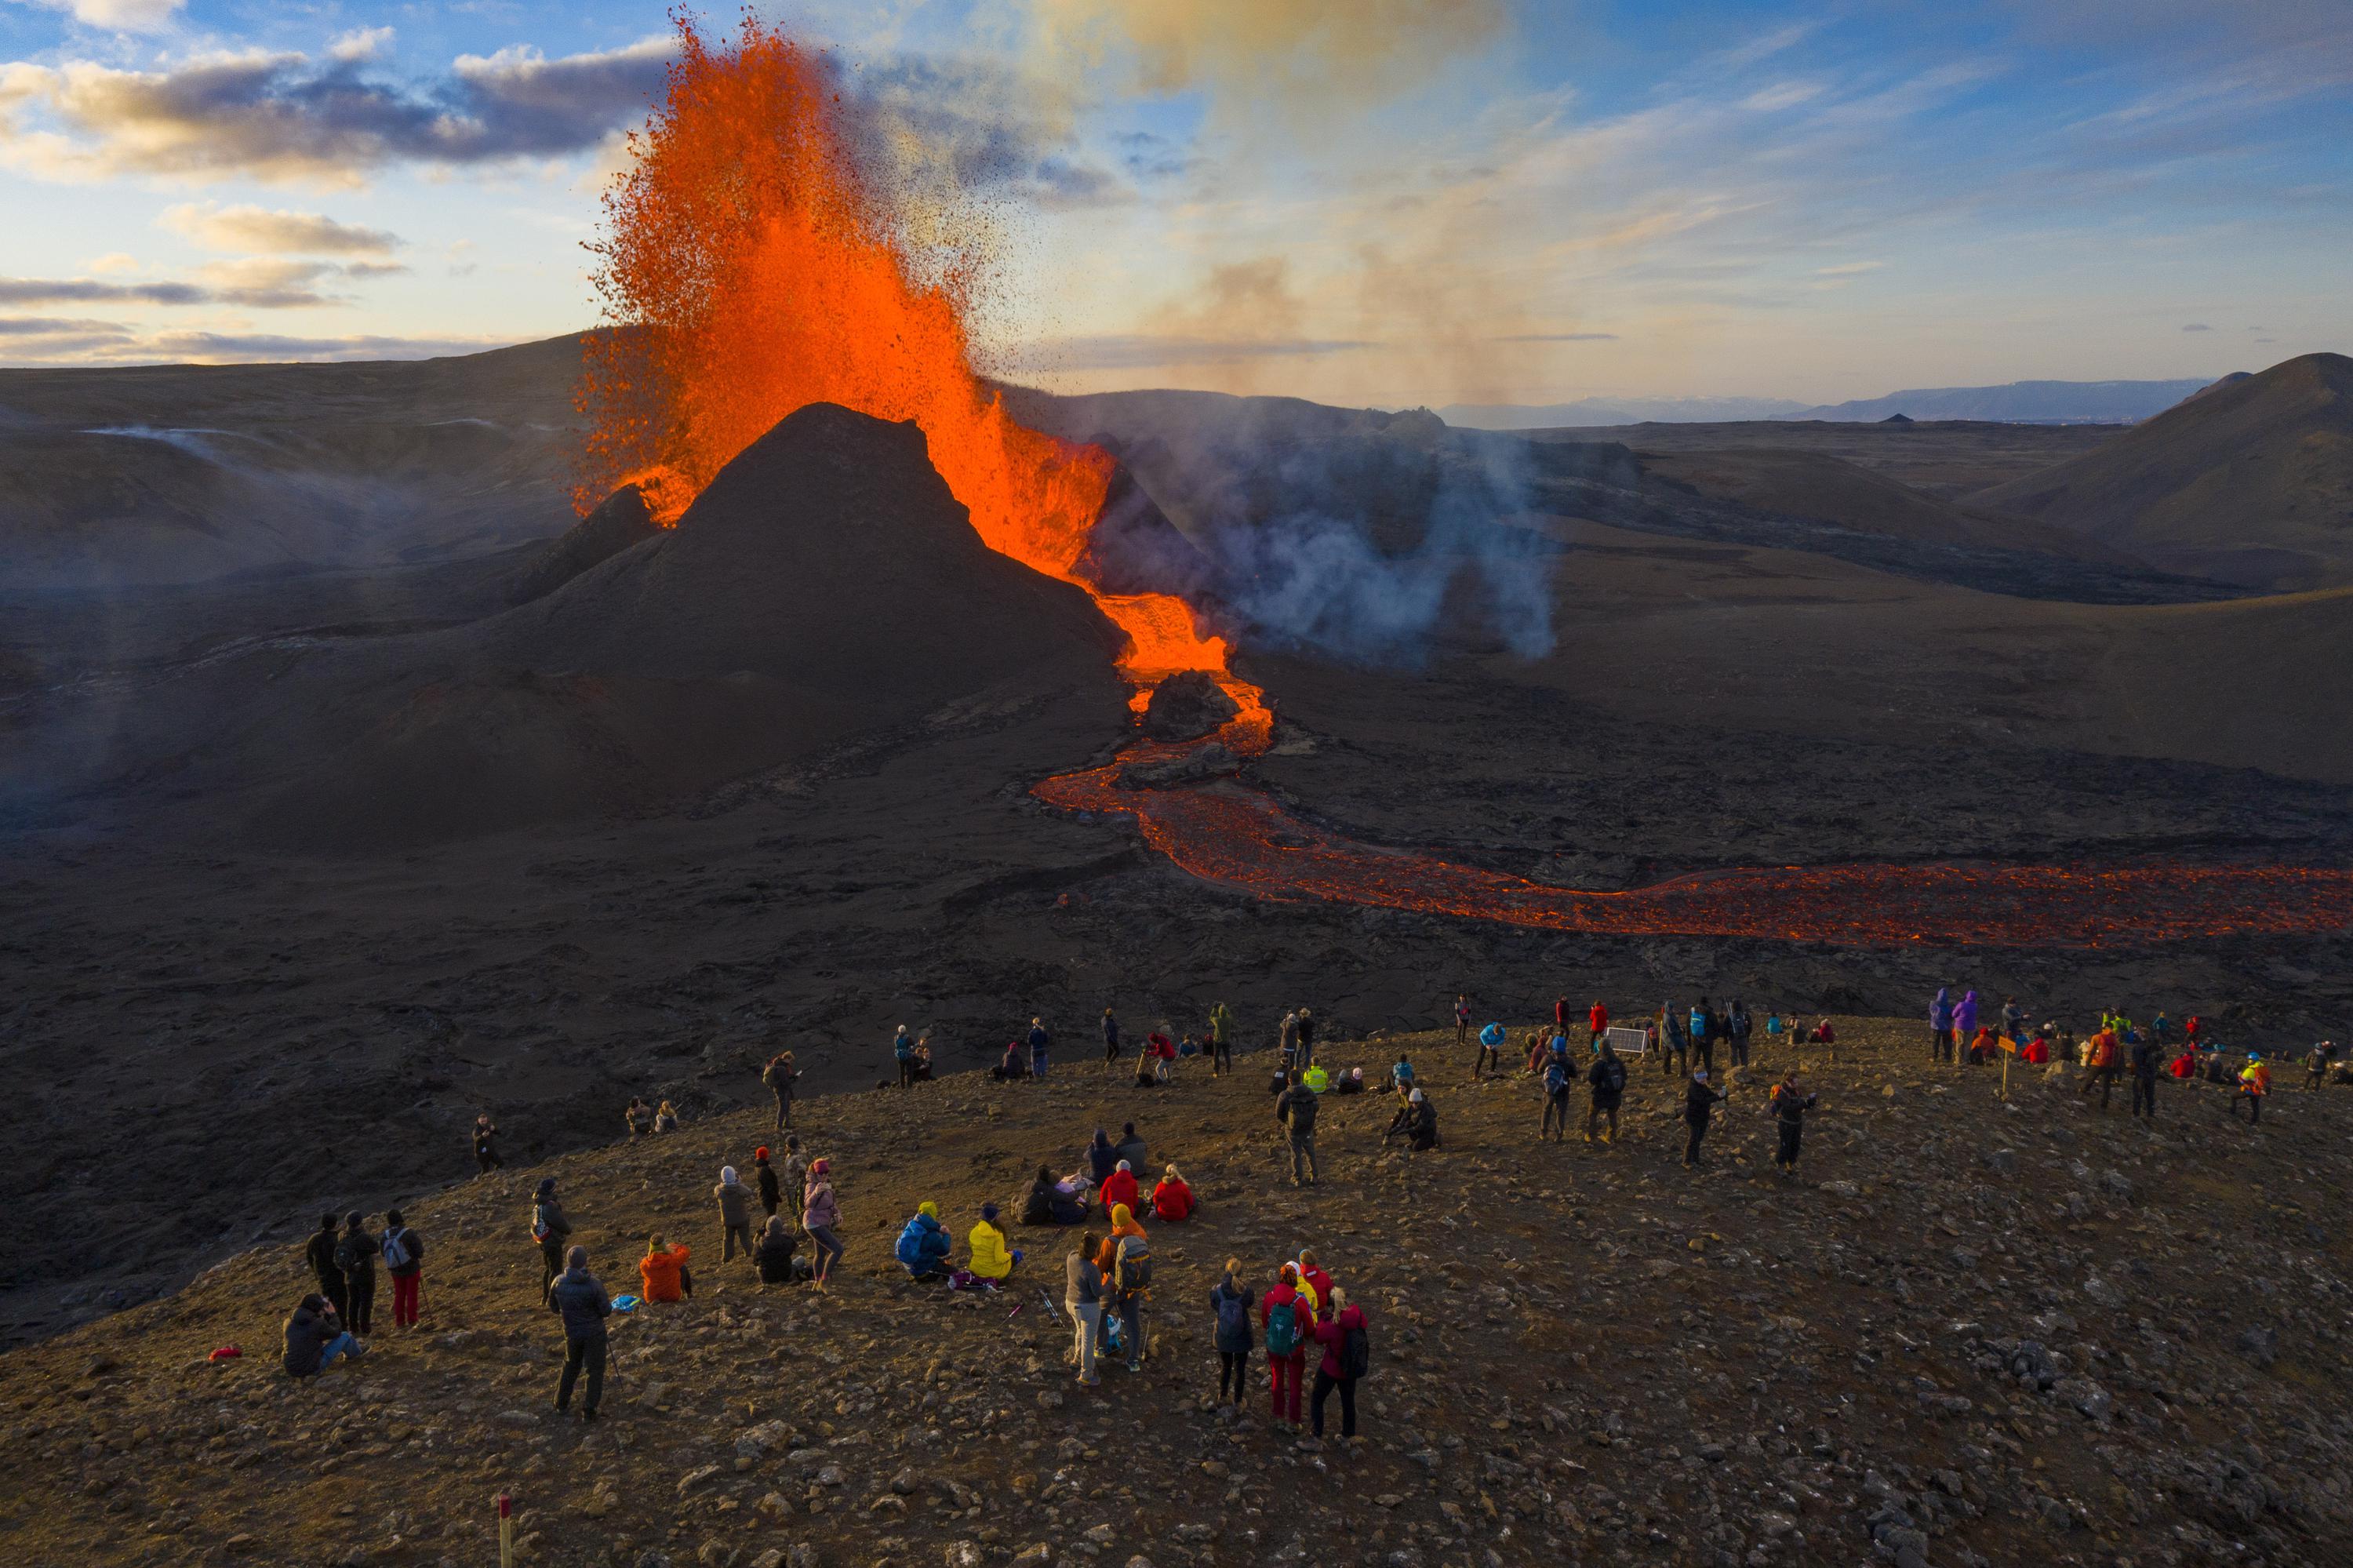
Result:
404,1260
1287,1321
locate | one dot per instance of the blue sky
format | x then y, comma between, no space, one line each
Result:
1390,201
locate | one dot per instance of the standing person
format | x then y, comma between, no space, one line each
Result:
1314,1285
1083,1297
1296,1108
2013,1020
639,1117
1110,1039
404,1260
581,1301
771,1193
2144,1055
1286,1322
1607,1079
1461,1017
792,1176
820,1212
552,1231
486,1137
1132,1279
1699,1105
1940,1026
1222,1039
734,1215
1306,1039
1740,1024
355,1254
2317,1062
315,1339
1229,1306
2254,1082
1041,1044
1964,1019
1557,1079
1560,1015
1703,1030
1490,1053
903,1051
1348,1356
329,1273
1287,1040
2102,1061
1789,1103
1596,1019
780,1074
1674,1041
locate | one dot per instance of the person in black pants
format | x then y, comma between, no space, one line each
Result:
1306,1040
553,1231
584,1306
1740,1025
2144,1077
355,1254
1343,1336
1791,1105
1110,1038
324,1266
1229,1306
485,1137
1699,1104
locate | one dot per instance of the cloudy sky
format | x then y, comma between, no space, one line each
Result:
1386,201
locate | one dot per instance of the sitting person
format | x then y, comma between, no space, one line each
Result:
640,1117
662,1273
1822,1034
924,1246
666,1118
1352,1082
1015,1065
991,1259
1172,1200
1131,1147
920,1066
1316,1078
1400,1076
1049,1204
2037,1052
774,1255
2186,1064
1189,1047
1984,1048
1120,1186
1101,1157
316,1338
1416,1122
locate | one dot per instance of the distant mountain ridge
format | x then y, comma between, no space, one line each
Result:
2020,403
1587,413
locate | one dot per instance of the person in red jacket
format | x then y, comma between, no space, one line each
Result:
1318,1285
1560,1014
1172,1200
2186,1064
1119,1187
1287,1323
1335,1370
1599,1018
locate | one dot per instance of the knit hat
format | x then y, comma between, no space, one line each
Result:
928,1208
761,1152
727,1175
576,1258
988,1212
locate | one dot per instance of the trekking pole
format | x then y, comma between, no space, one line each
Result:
506,1530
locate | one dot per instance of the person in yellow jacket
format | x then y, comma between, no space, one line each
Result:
991,1259
2254,1082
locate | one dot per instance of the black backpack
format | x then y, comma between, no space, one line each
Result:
1355,1353
1132,1265
1613,1076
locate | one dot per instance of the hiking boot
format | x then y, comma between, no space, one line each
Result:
1090,1383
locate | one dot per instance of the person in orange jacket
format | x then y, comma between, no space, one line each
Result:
2100,1061
662,1272
2254,1082
1172,1200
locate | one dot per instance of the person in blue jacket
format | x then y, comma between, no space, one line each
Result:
924,1245
1491,1052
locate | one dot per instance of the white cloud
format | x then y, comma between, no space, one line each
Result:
119,16
360,44
259,230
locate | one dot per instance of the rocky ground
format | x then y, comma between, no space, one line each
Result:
1969,1332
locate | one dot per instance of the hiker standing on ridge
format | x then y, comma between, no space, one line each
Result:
1040,1044
486,1154
1703,1030
324,1268
1965,1021
1738,1027
404,1260
581,1300
1110,1040
1789,1103
1296,1108
735,1213
552,1231
1461,1017
355,1254
1306,1040
1287,1039
1560,1015
1699,1105
771,1193
1940,1026
1222,1039
2254,1082
1607,1079
902,1050
779,1076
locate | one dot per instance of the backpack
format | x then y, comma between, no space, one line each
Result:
1556,1077
396,1248
351,1256
1133,1264
1283,1328
1613,1076
1355,1353
774,1075
538,1224
1233,1317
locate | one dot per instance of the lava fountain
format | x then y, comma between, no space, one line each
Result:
749,267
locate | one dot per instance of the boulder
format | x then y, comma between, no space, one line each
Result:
1188,704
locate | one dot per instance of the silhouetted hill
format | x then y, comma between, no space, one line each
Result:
2029,402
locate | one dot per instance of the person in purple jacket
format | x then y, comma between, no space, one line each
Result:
1940,1026
1965,1021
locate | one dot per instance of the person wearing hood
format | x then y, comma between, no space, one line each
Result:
321,1255
991,1259
1172,1197
662,1274
552,1231
1346,1350
924,1245
1964,1017
1230,1305
1606,1081
315,1339
1101,1157
355,1254
1700,1101
1597,1021
581,1300
735,1213
1940,1025
773,1256
902,1050
771,1194
1120,1186
666,1117
820,1212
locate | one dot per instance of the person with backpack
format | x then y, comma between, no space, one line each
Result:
734,1215
639,1117
2101,1059
1083,1299
1229,1306
1286,1322
579,1298
1606,1081
924,1245
1295,1108
1347,1357
2254,1082
1222,1039
1674,1041
1940,1026
780,1075
1041,1045
355,1254
662,1273
1461,1017
2144,1062
1306,1040
321,1256
771,1192
1315,1284
486,1153
1737,1028
1558,1077
903,1051
820,1212
1110,1039
1789,1103
1699,1105
1703,1034
404,1260
1491,1052
773,1256
1131,1281
315,1339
